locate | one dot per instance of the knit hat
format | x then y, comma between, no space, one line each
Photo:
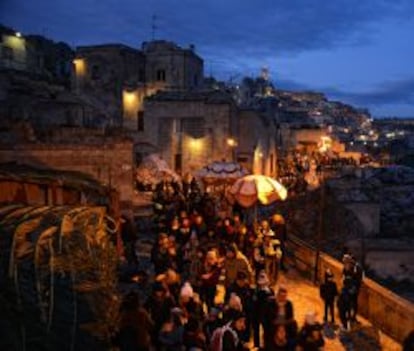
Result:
187,290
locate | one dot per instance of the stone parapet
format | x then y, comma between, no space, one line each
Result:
383,308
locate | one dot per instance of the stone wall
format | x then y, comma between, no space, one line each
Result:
183,68
384,309
196,130
109,162
256,149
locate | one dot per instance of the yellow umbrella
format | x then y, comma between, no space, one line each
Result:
252,188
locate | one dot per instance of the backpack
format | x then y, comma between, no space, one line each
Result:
216,342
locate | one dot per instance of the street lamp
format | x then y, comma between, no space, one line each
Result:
232,144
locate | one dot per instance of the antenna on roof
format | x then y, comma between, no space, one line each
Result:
153,26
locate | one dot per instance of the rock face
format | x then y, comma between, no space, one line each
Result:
372,213
392,188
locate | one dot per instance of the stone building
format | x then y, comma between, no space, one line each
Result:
190,129
108,161
178,68
300,137
36,55
256,149
104,74
118,78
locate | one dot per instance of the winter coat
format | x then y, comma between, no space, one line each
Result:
260,302
172,340
214,273
235,265
246,296
328,291
310,337
135,330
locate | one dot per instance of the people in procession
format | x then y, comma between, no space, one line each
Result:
195,261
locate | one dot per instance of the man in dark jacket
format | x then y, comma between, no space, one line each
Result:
280,311
260,303
232,336
344,304
328,292
136,326
241,288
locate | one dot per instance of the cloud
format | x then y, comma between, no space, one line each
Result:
386,93
235,37
263,27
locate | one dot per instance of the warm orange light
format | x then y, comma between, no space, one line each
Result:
231,142
196,144
130,98
80,66
325,144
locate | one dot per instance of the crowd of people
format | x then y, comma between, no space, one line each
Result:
213,287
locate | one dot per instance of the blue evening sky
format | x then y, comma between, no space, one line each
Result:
356,51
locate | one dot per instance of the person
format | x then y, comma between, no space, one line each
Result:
241,287
159,305
279,311
161,255
194,337
209,278
408,342
232,308
235,262
344,304
310,337
278,225
280,340
328,292
171,333
136,325
357,277
231,338
260,301
272,255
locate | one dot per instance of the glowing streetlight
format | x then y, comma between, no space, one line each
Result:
18,34
231,142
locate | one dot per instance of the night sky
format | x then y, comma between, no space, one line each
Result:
356,51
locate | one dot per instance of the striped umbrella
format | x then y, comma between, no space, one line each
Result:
247,191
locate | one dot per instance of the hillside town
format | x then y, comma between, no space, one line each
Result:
129,162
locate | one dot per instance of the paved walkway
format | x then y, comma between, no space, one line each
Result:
305,297
362,337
